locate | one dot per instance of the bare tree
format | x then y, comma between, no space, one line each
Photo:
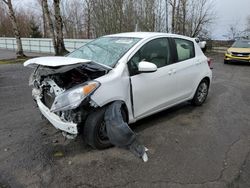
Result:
173,5
15,28
73,17
44,22
191,17
88,9
184,15
60,50
49,22
233,32
94,18
202,15
57,31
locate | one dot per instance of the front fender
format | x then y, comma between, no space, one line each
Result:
115,86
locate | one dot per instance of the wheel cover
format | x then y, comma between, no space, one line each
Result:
102,133
202,92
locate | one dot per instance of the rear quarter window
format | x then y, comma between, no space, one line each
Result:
185,49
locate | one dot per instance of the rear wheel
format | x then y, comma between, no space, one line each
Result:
225,61
201,93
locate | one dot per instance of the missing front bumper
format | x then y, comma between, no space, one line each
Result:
55,120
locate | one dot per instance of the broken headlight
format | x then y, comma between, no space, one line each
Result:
73,97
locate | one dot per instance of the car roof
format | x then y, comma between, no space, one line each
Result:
145,35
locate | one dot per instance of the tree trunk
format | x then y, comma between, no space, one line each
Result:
88,20
19,52
59,29
184,14
50,24
45,35
177,29
173,4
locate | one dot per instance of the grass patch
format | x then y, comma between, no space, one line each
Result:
14,61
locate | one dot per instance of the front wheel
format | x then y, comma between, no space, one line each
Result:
225,61
94,132
201,93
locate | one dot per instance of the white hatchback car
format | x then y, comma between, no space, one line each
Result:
147,72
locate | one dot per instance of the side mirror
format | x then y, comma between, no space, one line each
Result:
145,67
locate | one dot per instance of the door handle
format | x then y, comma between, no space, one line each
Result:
172,71
198,62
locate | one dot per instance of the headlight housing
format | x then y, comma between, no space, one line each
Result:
73,97
229,53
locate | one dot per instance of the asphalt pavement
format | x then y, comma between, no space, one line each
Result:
189,147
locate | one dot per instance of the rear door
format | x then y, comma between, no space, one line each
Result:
187,67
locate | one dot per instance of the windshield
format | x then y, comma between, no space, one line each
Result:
105,50
242,44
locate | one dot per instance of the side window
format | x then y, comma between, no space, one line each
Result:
156,51
185,49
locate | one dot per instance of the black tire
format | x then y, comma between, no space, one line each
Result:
201,93
225,61
94,130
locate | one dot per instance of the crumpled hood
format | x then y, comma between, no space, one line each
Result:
54,61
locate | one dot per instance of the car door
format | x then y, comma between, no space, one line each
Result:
186,68
152,91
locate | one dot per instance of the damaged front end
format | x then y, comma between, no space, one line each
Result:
62,93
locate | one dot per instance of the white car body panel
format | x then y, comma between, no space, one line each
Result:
54,61
152,91
114,86
146,93
68,127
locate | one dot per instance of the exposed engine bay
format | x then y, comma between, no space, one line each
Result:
62,90
52,82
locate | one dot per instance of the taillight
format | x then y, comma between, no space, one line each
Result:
209,62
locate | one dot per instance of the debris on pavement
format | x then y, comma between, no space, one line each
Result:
120,134
58,154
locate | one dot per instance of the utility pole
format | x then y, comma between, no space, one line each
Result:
166,1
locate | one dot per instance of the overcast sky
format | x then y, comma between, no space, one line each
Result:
227,12
230,12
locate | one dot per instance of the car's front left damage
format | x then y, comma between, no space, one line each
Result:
62,87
